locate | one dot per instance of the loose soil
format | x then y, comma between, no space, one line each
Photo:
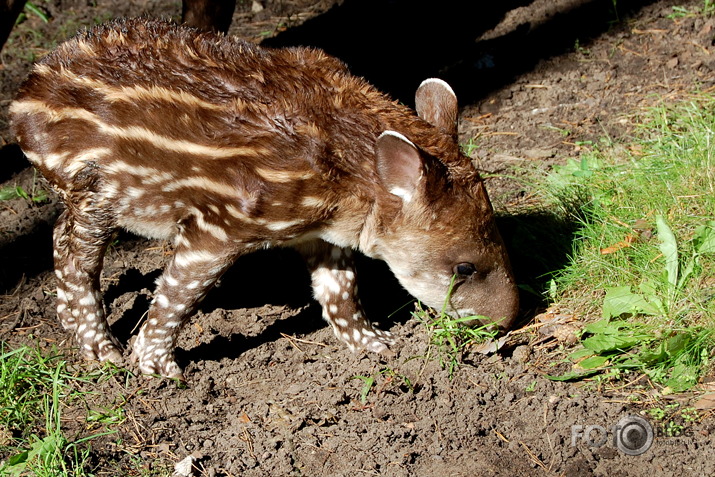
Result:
269,390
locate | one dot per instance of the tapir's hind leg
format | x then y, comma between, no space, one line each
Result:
80,242
335,287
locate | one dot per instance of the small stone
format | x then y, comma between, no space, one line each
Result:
566,333
521,354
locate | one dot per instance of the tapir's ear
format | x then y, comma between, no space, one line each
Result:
399,164
436,103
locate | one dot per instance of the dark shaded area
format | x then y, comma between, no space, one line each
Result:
130,281
208,14
397,44
268,277
9,11
539,243
12,160
26,255
276,277
279,277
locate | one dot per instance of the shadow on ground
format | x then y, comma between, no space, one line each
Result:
396,44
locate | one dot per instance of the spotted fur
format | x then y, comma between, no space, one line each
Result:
226,148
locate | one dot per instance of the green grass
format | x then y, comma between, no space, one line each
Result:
34,390
450,336
9,193
49,419
644,258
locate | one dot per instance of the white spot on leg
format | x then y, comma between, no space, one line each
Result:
189,258
162,300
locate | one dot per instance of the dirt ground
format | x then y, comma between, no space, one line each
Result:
270,392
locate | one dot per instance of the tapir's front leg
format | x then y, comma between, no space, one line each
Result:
335,287
200,257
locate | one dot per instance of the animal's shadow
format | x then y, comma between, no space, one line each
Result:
396,44
268,277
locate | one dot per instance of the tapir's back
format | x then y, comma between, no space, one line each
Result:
172,120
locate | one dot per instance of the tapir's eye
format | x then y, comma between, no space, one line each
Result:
465,269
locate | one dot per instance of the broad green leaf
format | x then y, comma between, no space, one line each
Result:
650,357
593,362
649,291
676,344
602,343
600,326
630,363
689,267
704,238
682,378
580,354
18,459
669,248
620,301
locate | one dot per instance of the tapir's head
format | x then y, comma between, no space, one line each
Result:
438,228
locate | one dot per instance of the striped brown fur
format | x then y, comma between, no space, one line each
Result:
226,148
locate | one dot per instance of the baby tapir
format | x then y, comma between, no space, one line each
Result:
227,148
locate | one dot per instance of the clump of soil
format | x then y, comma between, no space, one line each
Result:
270,392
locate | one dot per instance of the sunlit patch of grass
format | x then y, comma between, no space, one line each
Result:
34,389
644,258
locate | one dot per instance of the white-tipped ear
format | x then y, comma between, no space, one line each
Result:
399,164
436,103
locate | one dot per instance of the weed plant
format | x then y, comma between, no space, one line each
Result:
450,336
